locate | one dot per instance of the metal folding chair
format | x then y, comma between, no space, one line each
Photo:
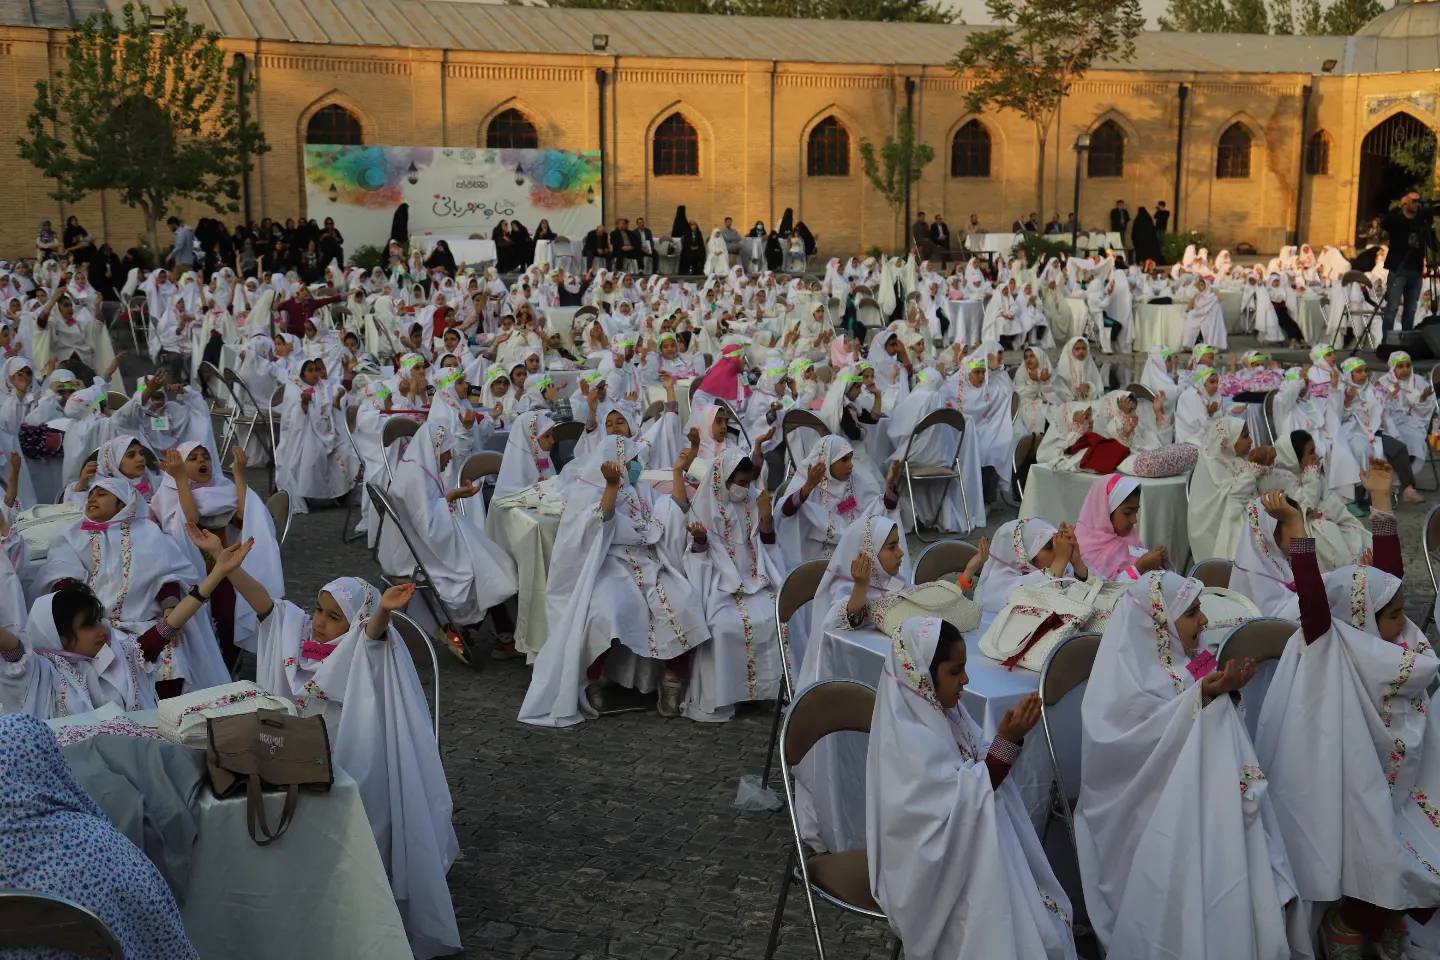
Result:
840,879
797,590
1067,666
1214,572
1430,538
33,921
422,651
396,428
278,504
566,435
1368,315
942,560
1261,639
1141,392
351,507
792,422
480,468
222,407
1021,462
418,575
943,417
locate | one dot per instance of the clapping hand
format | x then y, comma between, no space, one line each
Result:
1235,675
1378,481
815,475
861,568
173,464
1020,719
1152,559
205,540
697,530
230,559
1277,506
612,472
764,502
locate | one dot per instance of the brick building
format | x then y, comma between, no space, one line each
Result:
1252,138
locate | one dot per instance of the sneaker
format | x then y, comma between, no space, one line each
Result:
671,689
1339,941
595,696
1411,495
504,648
1394,943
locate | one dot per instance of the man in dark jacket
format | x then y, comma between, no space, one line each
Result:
596,247
645,242
940,237
920,236
1119,220
623,245
1162,217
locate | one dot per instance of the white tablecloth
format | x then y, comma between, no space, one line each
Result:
544,253
835,784
1158,324
462,248
966,320
1058,495
1072,322
528,536
101,346
993,242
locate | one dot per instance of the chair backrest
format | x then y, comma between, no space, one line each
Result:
1214,572
1140,392
422,651
1263,638
802,420
821,709
30,920
1269,409
799,587
943,560
278,397
1356,276
352,416
1067,666
695,382
114,400
397,427
279,506
211,377
1024,459
480,465
1430,538
653,411
940,417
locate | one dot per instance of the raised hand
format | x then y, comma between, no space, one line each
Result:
239,461
861,569
173,464
686,457
87,473
612,472
815,475
1236,674
765,503
397,597
206,541
230,559
1020,719
1378,481
697,530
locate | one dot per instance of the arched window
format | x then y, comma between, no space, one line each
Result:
970,151
511,130
334,124
827,151
1232,158
1317,153
1107,151
677,148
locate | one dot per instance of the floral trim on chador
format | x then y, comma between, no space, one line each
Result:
1058,910
1162,634
225,701
72,681
1432,813
1393,761
1250,773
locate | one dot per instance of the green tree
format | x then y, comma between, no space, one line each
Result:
897,164
1344,17
153,114
911,11
1030,61
1416,156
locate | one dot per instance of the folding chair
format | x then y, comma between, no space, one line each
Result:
792,422
351,416
419,576
279,506
942,560
421,650
566,435
478,468
1214,572
868,313
653,411
1067,666
1268,408
396,428
249,414
1367,315
797,590
222,411
1022,460
943,417
840,879
1141,392
33,921
1430,538
1261,639
114,400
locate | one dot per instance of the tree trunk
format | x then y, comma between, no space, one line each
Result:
1040,138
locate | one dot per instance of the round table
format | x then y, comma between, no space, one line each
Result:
1058,495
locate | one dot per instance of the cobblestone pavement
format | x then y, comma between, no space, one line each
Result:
619,838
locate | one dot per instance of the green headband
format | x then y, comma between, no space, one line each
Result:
1353,364
544,382
801,365
976,364
776,371
411,361
450,379
496,372
1399,356
667,335
1203,373
848,378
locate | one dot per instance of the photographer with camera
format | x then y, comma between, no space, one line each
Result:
1409,230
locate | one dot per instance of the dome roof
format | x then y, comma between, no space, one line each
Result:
1408,18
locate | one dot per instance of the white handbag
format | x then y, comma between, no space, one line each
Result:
42,523
939,598
1033,622
183,719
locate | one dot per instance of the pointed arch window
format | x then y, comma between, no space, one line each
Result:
676,149
1232,156
827,149
970,151
511,130
1107,151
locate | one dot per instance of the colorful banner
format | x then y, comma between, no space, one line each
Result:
451,191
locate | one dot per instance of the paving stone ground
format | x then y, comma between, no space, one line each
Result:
619,838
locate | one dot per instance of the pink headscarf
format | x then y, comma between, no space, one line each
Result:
722,380
1105,551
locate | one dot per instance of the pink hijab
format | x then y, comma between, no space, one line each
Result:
1105,551
722,380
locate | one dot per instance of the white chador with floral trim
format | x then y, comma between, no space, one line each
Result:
617,578
381,733
1351,746
736,578
954,862
1179,849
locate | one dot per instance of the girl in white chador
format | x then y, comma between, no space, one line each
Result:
347,663
828,493
1204,318
1226,479
617,600
312,457
1175,860
954,860
1350,742
736,568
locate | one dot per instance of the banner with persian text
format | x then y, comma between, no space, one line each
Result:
451,191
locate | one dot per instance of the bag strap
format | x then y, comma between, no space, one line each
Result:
255,811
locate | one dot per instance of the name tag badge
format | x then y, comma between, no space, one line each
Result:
1202,665
160,423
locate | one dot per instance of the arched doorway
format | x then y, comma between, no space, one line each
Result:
1382,180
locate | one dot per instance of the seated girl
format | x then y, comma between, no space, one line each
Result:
137,571
1164,745
163,415
1023,552
1261,570
735,566
985,392
528,460
870,562
123,457
347,663
1198,407
1033,387
446,524
949,843
1108,531
69,661
1073,444
660,439
618,605
1139,427
1347,737
843,410
1076,376
827,494
1340,538
313,460
1226,479
955,506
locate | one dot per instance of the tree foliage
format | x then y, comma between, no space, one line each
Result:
1303,17
897,164
910,11
1029,62
1416,156
153,115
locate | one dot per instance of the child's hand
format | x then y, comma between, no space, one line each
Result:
397,597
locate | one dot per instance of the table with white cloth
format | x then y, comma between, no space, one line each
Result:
967,320
993,242
1058,495
102,348
1312,319
528,536
463,248
752,254
318,891
1230,300
1158,325
1072,321
838,779
544,253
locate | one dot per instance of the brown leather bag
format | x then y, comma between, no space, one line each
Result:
272,747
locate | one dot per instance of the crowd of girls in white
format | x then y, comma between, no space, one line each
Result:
673,539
